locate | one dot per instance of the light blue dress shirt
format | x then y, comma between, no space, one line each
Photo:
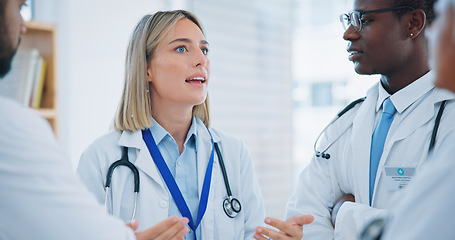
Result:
183,167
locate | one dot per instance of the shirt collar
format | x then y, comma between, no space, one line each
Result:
408,95
159,133
192,133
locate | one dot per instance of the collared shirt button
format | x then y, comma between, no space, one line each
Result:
179,163
164,204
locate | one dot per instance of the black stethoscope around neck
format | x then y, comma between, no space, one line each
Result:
326,155
231,205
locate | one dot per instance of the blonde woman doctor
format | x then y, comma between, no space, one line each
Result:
163,121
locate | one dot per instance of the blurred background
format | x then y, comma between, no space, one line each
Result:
279,73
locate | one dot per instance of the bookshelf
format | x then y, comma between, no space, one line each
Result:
43,37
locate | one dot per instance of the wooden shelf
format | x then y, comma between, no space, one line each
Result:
48,113
43,37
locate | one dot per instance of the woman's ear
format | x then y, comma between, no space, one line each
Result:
149,72
417,23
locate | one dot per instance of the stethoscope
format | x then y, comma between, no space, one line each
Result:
326,155
231,205
124,161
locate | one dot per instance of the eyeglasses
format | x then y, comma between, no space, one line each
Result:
355,17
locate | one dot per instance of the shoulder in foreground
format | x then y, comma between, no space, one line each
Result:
17,120
12,111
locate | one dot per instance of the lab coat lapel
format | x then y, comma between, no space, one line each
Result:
422,114
143,161
415,119
362,130
419,116
204,149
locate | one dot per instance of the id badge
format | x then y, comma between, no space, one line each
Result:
397,178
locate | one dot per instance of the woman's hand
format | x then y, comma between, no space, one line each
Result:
290,229
171,228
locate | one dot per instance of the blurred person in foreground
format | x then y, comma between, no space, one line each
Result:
41,196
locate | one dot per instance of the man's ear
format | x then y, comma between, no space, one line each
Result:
417,22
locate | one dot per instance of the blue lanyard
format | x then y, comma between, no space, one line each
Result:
172,185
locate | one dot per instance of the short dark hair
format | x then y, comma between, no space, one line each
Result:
425,5
3,9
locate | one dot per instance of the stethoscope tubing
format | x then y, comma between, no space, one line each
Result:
325,155
124,161
223,170
231,205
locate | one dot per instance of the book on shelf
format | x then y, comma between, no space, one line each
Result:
38,84
25,81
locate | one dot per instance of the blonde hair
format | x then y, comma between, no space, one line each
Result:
134,110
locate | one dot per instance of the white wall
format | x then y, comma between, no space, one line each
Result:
251,74
251,84
320,56
93,36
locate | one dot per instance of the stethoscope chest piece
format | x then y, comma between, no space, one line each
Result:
231,206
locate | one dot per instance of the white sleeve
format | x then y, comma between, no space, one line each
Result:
42,198
353,217
254,205
314,194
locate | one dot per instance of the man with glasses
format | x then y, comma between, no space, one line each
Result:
379,145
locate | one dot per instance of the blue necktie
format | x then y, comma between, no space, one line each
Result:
378,139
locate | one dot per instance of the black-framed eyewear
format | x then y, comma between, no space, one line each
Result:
354,18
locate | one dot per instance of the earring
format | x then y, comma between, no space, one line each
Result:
412,34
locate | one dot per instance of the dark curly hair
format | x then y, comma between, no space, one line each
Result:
2,9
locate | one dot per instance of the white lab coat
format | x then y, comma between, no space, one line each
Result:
426,211
40,195
347,170
153,203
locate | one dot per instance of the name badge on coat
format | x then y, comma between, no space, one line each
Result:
398,177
